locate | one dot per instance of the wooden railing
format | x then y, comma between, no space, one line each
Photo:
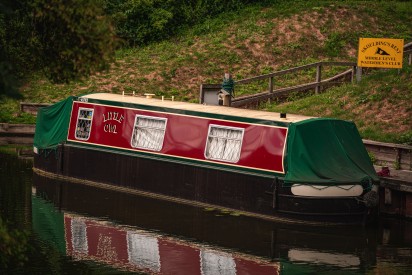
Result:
318,84
16,133
207,90
31,107
395,156
354,73
407,50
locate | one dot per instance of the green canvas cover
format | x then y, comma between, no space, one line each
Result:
327,152
52,124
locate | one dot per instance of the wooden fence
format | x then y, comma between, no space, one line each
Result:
407,51
32,108
318,84
16,133
395,156
208,90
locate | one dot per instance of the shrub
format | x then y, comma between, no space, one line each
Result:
141,21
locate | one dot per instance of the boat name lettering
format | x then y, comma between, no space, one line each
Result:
110,128
112,116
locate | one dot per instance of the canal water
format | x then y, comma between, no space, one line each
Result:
55,227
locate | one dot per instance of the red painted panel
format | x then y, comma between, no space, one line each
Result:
186,136
106,243
68,235
249,267
178,258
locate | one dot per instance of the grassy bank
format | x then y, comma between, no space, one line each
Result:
380,105
257,40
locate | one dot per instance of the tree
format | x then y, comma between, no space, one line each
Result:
15,47
64,39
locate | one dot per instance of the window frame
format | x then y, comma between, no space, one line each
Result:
225,128
153,118
77,122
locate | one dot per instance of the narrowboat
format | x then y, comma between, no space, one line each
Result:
274,166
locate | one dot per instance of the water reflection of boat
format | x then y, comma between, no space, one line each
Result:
294,168
139,250
203,236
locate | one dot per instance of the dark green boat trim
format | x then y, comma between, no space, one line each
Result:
179,160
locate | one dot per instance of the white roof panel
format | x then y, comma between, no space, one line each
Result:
212,109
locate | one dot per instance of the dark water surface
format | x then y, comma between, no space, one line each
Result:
66,228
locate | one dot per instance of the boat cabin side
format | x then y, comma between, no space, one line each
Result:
231,143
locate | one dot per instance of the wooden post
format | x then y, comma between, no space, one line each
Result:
352,78
410,59
398,159
271,85
202,94
228,98
358,74
318,78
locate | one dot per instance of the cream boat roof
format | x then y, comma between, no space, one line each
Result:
212,109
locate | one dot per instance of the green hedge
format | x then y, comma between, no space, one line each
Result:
142,21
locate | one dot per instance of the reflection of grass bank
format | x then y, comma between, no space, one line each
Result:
13,247
15,191
14,149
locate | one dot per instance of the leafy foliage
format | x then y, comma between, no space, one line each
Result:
13,246
64,39
15,45
75,36
141,21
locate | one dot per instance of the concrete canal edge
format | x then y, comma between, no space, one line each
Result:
395,192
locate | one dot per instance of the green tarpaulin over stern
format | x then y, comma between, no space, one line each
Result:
327,152
52,124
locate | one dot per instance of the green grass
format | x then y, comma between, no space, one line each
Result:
257,40
380,105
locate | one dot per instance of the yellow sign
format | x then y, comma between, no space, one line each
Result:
380,53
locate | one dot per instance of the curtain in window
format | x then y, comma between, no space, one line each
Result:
224,144
84,123
148,133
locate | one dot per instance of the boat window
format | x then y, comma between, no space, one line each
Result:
148,132
84,123
224,143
